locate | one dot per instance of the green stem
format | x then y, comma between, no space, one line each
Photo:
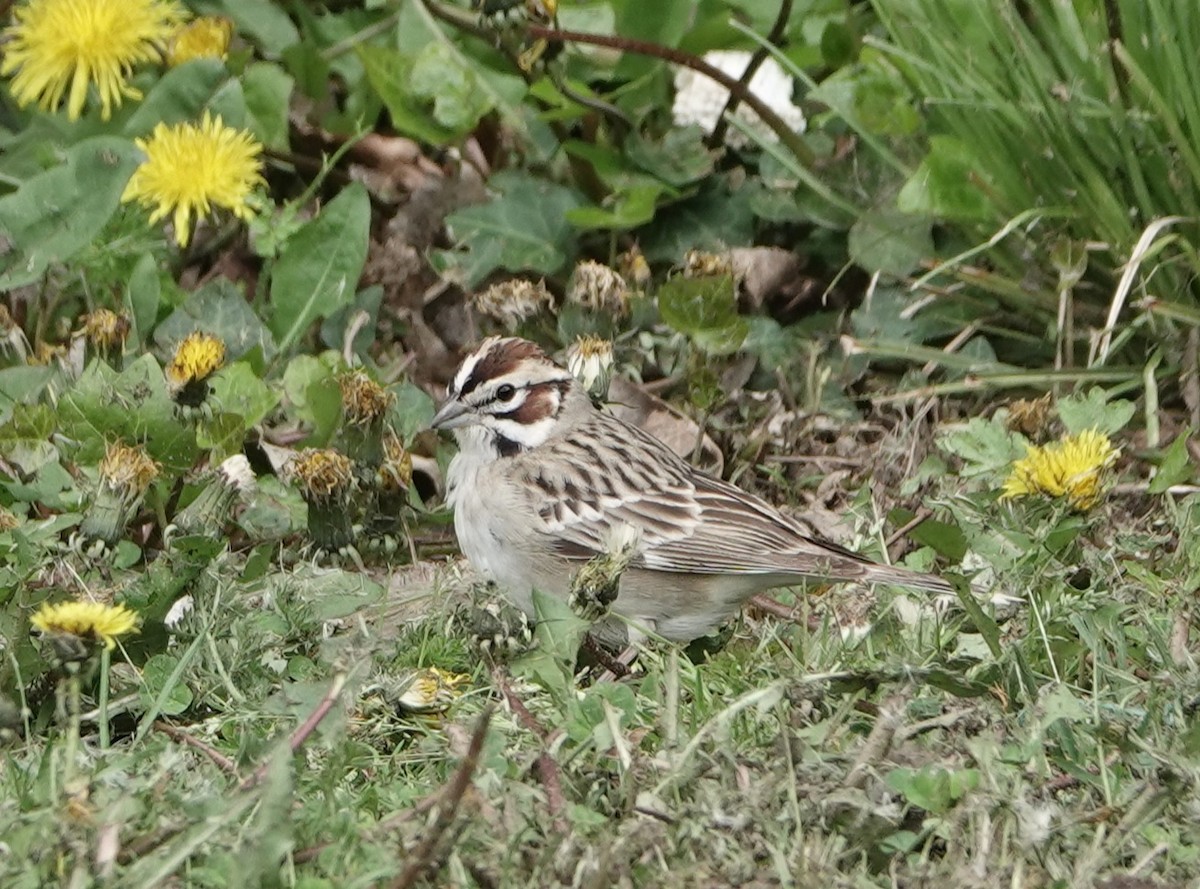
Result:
105,663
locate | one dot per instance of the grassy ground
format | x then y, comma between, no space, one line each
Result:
1037,732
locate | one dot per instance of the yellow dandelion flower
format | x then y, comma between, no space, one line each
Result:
56,44
90,621
191,168
197,358
1074,467
205,38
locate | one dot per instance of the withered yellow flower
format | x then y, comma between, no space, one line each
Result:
511,302
395,472
590,360
56,46
1074,468
363,400
204,38
196,358
89,621
699,264
105,329
598,288
128,468
192,168
323,473
430,690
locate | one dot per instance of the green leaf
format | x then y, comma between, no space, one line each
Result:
706,310
1093,410
624,211
717,218
948,184
890,242
984,446
454,92
932,788
264,21
523,229
131,406
55,214
161,686
947,539
663,22
238,389
143,291
319,270
268,95
312,389
183,93
1176,466
678,160
218,308
388,72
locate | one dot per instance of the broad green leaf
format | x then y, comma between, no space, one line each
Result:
268,94
663,22
948,184
706,310
622,211
55,214
218,308
890,242
263,21
523,229
131,406
238,390
947,539
984,446
389,71
143,291
453,91
1176,467
678,160
717,218
183,93
1093,410
319,270
162,686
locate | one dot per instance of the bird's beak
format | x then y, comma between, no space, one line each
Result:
451,415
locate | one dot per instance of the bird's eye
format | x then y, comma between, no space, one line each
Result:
506,392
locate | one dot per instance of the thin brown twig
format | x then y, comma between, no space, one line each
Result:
548,771
717,136
305,729
922,514
223,762
789,137
448,798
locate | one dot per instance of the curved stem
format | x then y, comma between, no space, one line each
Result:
717,136
777,124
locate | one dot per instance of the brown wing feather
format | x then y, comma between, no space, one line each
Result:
689,522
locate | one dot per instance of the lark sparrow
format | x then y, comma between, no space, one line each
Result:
544,481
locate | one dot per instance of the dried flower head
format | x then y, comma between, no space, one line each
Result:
8,519
92,622
204,38
105,329
1030,416
54,45
430,690
197,358
363,400
635,268
47,353
596,287
1074,468
395,472
590,360
511,302
324,474
699,264
192,168
127,469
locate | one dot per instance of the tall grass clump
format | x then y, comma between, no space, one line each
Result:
1066,136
